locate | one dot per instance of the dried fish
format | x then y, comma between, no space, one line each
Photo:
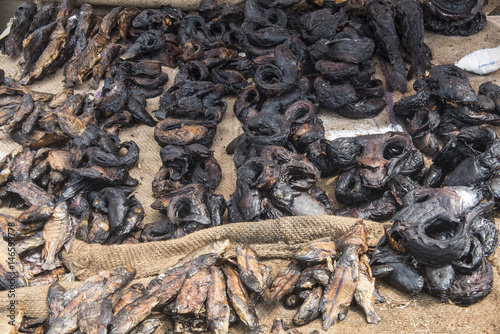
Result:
193,293
248,266
95,289
285,282
310,308
365,289
57,232
57,39
240,300
218,311
340,290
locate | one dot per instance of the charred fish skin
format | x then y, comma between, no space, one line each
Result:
365,290
248,266
340,291
240,300
218,311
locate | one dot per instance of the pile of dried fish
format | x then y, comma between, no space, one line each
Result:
203,292
444,104
184,185
274,184
440,240
325,277
87,45
90,307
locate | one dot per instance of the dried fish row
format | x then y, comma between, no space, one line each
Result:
204,291
325,277
89,45
185,184
440,241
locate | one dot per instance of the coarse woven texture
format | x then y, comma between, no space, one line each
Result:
183,4
400,314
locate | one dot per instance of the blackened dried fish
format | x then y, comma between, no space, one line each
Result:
20,26
310,308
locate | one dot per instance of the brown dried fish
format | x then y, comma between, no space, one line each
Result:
69,123
25,109
193,293
365,289
240,300
11,270
285,282
125,19
35,213
356,236
94,318
58,298
30,243
148,326
250,271
159,292
56,43
317,252
132,314
218,311
129,295
30,193
78,70
47,277
34,45
57,232
307,278
94,289
310,308
340,290
278,327
20,26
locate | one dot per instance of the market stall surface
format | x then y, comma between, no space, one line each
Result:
401,313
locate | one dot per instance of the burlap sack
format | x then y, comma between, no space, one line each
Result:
275,239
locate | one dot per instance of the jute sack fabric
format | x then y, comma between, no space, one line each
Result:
271,239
